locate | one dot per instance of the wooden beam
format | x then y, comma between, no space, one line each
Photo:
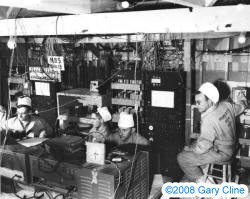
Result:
3,11
12,12
210,2
188,3
132,38
104,5
140,38
60,6
200,20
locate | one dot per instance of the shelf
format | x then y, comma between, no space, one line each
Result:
16,80
125,102
83,96
76,119
121,86
244,141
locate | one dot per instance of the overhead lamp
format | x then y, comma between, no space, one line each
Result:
125,4
242,38
11,42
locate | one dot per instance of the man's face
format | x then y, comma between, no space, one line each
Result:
202,103
98,121
23,113
125,133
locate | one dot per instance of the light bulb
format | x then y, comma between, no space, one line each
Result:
11,43
125,4
242,38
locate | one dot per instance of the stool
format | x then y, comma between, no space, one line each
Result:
222,173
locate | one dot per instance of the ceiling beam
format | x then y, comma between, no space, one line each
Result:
210,2
130,38
200,20
188,3
12,12
59,6
192,3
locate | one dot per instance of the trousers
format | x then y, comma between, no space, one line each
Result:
191,162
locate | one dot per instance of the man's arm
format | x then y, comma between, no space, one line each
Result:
42,128
205,141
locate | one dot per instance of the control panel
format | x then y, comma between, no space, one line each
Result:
164,117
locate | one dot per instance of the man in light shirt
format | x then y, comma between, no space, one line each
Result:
25,123
126,134
216,142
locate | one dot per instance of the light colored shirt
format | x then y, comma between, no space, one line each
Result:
133,139
99,134
218,127
36,126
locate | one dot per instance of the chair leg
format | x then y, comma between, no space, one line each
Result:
206,170
229,173
224,179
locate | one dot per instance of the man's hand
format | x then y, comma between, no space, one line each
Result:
42,134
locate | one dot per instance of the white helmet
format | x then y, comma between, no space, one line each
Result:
125,120
210,91
23,101
105,114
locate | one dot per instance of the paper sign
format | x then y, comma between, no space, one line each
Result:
163,99
45,74
42,88
56,62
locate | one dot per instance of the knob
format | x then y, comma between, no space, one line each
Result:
150,127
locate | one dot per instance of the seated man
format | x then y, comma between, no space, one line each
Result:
100,130
127,133
26,123
217,139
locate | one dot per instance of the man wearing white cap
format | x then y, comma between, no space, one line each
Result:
127,134
217,138
100,130
26,123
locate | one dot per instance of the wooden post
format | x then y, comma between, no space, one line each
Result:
187,68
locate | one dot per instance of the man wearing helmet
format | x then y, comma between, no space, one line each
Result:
25,123
127,133
217,139
100,130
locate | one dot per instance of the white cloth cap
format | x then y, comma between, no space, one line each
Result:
105,114
210,91
125,120
23,101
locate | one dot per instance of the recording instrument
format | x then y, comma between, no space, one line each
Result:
76,177
164,116
101,181
95,153
64,146
90,180
15,162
